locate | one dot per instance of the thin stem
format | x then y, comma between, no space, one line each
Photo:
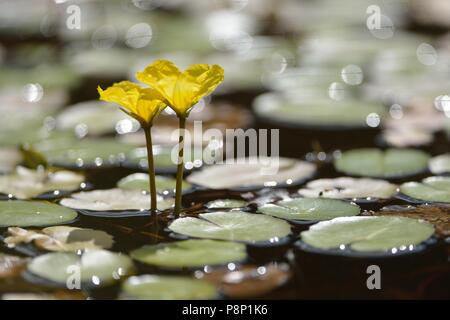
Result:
151,168
180,168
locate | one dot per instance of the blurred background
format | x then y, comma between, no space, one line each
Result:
330,74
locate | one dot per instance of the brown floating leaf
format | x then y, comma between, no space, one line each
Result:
11,266
438,215
249,280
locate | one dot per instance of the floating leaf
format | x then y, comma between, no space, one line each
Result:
318,113
368,234
95,268
253,173
249,281
152,287
32,213
72,152
438,215
11,266
392,163
26,184
113,199
60,238
310,209
190,253
349,188
139,181
9,159
440,164
233,226
434,189
226,204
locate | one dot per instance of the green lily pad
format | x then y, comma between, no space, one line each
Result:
226,204
26,184
69,151
190,253
253,172
232,226
349,188
368,234
440,164
310,209
317,113
392,163
434,189
96,118
139,181
152,287
95,268
114,199
32,213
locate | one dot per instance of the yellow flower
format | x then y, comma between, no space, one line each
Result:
181,90
143,104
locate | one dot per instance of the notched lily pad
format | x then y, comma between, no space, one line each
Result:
438,215
310,209
153,287
92,268
233,226
368,235
431,189
253,173
139,181
114,200
33,214
440,164
190,253
27,184
389,164
226,204
349,188
60,238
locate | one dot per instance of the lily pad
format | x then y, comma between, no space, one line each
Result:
113,199
368,234
433,189
438,215
440,164
139,181
310,209
249,281
315,113
95,118
32,213
152,287
95,268
391,163
60,238
26,184
349,188
253,173
226,204
88,152
232,226
190,253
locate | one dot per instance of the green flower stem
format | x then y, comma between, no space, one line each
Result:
180,168
151,168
